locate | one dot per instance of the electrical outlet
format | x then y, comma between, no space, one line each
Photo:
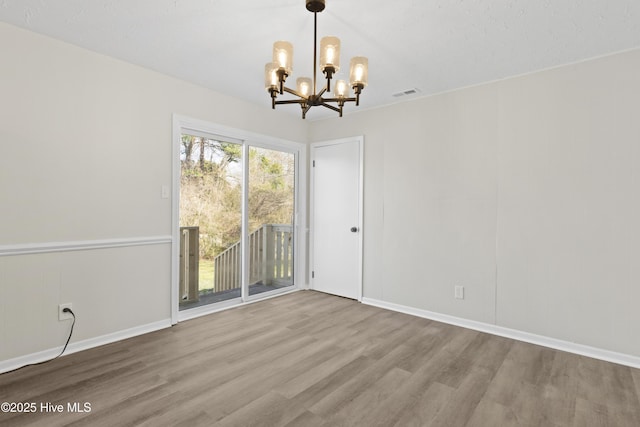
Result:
458,292
61,314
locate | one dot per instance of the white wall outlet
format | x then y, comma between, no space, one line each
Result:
62,315
164,192
458,292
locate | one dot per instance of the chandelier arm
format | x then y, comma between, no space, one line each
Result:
331,107
293,92
324,89
291,101
339,99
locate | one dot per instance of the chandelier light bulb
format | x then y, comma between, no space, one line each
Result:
304,86
283,56
270,76
359,71
330,53
342,89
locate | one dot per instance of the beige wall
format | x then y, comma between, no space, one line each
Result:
85,147
524,191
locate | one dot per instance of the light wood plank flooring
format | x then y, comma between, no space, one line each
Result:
310,359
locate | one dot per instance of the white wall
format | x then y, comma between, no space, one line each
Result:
524,191
568,241
85,147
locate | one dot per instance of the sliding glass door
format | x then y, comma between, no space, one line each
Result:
271,203
237,205
210,220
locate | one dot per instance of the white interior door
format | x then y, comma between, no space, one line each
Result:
337,217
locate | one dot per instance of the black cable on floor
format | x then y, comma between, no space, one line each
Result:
66,310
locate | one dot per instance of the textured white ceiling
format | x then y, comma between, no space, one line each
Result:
432,45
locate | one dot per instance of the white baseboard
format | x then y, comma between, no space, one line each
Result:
584,350
571,347
10,364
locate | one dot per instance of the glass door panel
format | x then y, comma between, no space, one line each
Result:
210,221
271,207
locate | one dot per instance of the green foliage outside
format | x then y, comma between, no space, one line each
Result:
211,193
205,274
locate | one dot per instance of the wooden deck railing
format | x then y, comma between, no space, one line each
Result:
270,259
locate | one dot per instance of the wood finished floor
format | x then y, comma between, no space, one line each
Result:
310,359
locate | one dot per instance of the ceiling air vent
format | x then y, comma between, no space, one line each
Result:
407,92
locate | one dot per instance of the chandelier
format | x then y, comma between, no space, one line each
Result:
277,71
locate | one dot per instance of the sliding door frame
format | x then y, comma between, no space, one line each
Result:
183,124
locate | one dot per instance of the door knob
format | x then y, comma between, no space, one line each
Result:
354,229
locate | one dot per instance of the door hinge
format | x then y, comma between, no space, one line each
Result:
314,163
313,274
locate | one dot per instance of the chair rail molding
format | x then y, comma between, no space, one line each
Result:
81,245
